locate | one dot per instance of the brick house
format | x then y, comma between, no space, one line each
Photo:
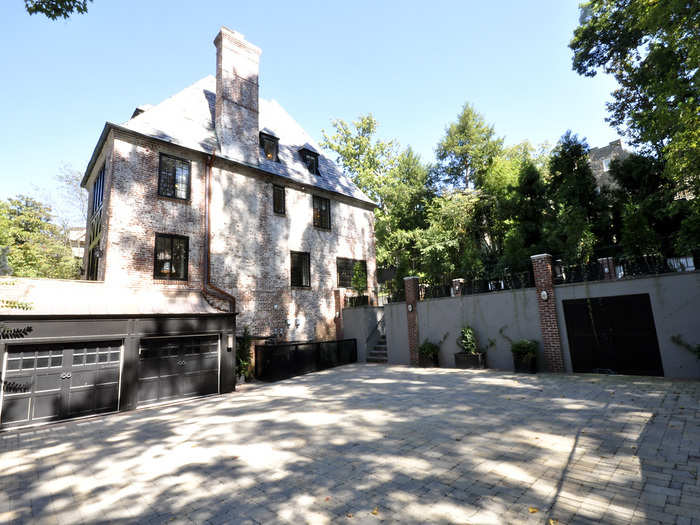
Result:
217,189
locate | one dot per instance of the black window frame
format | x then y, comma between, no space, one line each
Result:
174,175
279,200
310,160
171,236
98,191
304,273
266,139
318,217
345,272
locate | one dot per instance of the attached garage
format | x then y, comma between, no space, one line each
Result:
177,367
44,382
90,361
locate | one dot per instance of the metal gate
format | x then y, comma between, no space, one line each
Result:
614,335
177,367
45,382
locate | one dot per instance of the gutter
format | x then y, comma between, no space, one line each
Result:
207,286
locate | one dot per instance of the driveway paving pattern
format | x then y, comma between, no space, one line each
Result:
372,444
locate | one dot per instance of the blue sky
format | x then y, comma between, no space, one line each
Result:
412,64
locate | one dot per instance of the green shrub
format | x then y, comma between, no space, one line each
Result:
468,341
244,358
429,350
524,348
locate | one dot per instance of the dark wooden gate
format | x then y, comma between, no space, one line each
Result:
613,334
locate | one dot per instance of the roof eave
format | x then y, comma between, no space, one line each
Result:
96,153
109,126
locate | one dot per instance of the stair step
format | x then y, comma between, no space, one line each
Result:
376,360
379,347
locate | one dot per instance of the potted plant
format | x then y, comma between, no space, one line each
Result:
471,355
525,355
428,354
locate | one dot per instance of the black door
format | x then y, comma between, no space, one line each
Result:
47,382
178,367
615,334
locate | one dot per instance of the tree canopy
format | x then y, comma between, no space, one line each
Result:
55,9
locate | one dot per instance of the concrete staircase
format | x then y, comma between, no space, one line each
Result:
378,354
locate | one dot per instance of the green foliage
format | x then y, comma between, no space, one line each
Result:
362,156
468,341
468,150
359,278
524,348
652,49
429,350
55,9
244,358
578,218
37,247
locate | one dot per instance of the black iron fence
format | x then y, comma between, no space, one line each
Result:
350,301
622,267
280,361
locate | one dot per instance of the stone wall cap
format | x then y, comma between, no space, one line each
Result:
410,277
540,256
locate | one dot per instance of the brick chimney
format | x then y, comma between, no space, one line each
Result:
236,115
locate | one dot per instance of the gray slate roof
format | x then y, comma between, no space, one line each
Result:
187,119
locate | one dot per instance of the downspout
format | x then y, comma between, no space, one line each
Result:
207,287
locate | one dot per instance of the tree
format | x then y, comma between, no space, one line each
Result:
652,48
365,158
578,220
528,207
36,246
643,198
467,151
55,9
405,194
359,278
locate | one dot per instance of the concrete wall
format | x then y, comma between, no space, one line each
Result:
359,323
395,323
495,317
675,304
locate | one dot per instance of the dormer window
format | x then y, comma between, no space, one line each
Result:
270,146
310,160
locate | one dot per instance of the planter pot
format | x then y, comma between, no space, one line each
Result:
427,362
526,363
466,360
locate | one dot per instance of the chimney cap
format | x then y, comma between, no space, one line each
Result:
235,38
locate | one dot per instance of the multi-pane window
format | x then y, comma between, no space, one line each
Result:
98,189
310,160
278,204
349,267
270,145
322,213
171,255
301,269
174,177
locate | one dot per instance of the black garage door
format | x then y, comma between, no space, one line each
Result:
613,334
178,367
46,382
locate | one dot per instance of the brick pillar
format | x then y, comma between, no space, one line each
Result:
608,267
551,341
338,299
411,287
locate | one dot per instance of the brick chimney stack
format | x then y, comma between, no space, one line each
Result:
236,114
